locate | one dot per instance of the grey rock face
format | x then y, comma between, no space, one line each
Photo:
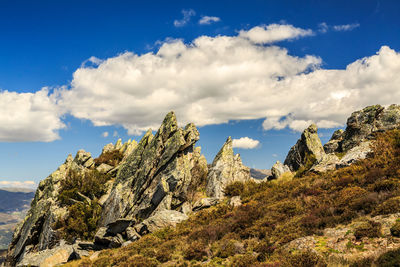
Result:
158,174
363,123
225,169
334,143
278,169
309,145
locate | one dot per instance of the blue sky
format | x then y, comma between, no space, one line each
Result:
284,65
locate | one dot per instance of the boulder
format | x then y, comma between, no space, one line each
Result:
278,169
308,148
225,169
160,220
355,154
205,203
118,226
235,201
48,257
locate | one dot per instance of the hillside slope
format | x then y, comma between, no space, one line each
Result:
282,223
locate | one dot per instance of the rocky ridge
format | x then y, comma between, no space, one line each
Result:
154,184
159,181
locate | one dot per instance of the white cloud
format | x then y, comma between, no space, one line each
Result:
187,15
346,27
323,27
104,134
216,79
20,184
273,33
29,116
245,143
206,20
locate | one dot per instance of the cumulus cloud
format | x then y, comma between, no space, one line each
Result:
20,184
273,33
187,15
345,27
104,134
206,20
245,143
216,79
29,116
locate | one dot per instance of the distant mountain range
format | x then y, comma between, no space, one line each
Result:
12,199
14,203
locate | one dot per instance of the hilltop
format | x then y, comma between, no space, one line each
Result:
163,205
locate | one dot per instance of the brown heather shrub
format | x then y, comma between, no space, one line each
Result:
392,205
196,250
243,260
389,259
112,158
395,229
368,229
234,189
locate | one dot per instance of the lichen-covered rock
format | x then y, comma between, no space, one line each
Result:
356,153
225,169
204,203
307,147
363,123
158,174
278,169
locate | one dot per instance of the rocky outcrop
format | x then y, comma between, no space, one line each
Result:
225,169
161,219
362,124
278,169
35,237
158,174
308,147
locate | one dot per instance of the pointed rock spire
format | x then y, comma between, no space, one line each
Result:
226,169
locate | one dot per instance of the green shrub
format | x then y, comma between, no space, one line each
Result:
367,229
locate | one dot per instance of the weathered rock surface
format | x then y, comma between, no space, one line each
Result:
339,247
307,147
49,257
158,174
160,220
363,123
225,169
278,169
334,143
205,203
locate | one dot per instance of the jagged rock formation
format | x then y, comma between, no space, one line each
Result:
158,174
334,142
225,169
308,147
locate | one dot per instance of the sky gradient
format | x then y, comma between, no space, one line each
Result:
81,74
